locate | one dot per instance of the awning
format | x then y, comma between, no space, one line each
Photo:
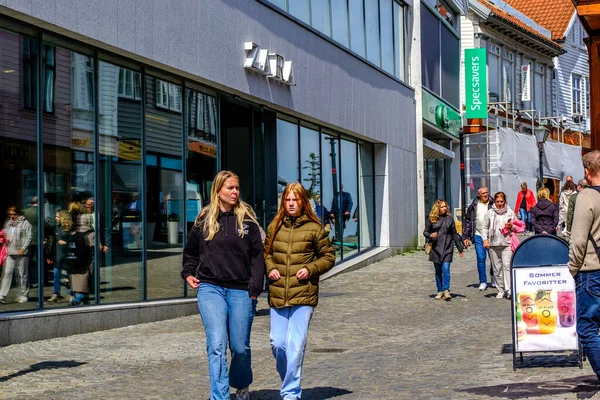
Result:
433,151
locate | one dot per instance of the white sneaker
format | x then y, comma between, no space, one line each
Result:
242,394
22,299
508,294
482,287
500,295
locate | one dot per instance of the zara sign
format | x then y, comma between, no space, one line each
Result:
270,64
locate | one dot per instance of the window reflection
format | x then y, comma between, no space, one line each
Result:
18,167
339,22
348,199
331,187
201,161
69,182
366,191
287,155
164,187
120,174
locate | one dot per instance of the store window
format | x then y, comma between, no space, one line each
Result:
339,22
165,219
356,14
69,177
287,155
19,170
347,201
120,201
365,217
338,174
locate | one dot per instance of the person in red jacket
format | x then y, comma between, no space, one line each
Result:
525,202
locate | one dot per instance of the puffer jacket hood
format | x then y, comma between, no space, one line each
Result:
543,204
298,243
544,216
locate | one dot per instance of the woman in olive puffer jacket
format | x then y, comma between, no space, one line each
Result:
298,252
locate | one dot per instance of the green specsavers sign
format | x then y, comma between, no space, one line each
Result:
476,83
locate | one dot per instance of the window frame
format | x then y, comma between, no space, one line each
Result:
576,100
168,95
132,80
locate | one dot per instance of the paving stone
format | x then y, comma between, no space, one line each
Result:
377,333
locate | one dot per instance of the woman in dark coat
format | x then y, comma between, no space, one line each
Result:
544,216
441,232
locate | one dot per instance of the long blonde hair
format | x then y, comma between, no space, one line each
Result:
303,202
65,220
208,216
434,215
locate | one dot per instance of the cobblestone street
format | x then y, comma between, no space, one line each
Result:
377,333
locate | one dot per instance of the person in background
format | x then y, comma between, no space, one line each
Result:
566,192
497,226
340,205
544,216
582,184
18,230
441,231
82,270
298,252
30,213
55,256
584,260
525,202
223,259
472,228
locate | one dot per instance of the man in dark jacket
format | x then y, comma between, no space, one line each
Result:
472,226
544,216
342,202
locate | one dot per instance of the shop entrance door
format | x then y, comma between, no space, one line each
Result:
247,133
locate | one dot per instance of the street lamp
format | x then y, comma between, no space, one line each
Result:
541,135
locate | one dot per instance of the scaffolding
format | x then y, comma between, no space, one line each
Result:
505,154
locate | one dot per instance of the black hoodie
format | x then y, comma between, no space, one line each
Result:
227,260
544,217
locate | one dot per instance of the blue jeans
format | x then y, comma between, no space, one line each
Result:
227,315
442,276
481,253
289,331
587,286
526,218
56,281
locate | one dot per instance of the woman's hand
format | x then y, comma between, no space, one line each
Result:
62,242
302,274
461,254
466,243
274,275
192,281
509,225
433,235
486,244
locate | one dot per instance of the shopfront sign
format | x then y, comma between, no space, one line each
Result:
545,315
476,83
268,63
440,114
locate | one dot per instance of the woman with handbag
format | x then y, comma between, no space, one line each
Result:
498,224
441,233
298,252
223,259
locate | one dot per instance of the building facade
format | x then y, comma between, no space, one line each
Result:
133,115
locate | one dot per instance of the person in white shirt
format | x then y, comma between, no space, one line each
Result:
472,228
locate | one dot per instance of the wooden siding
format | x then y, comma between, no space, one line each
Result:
56,127
467,41
15,121
574,61
164,129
